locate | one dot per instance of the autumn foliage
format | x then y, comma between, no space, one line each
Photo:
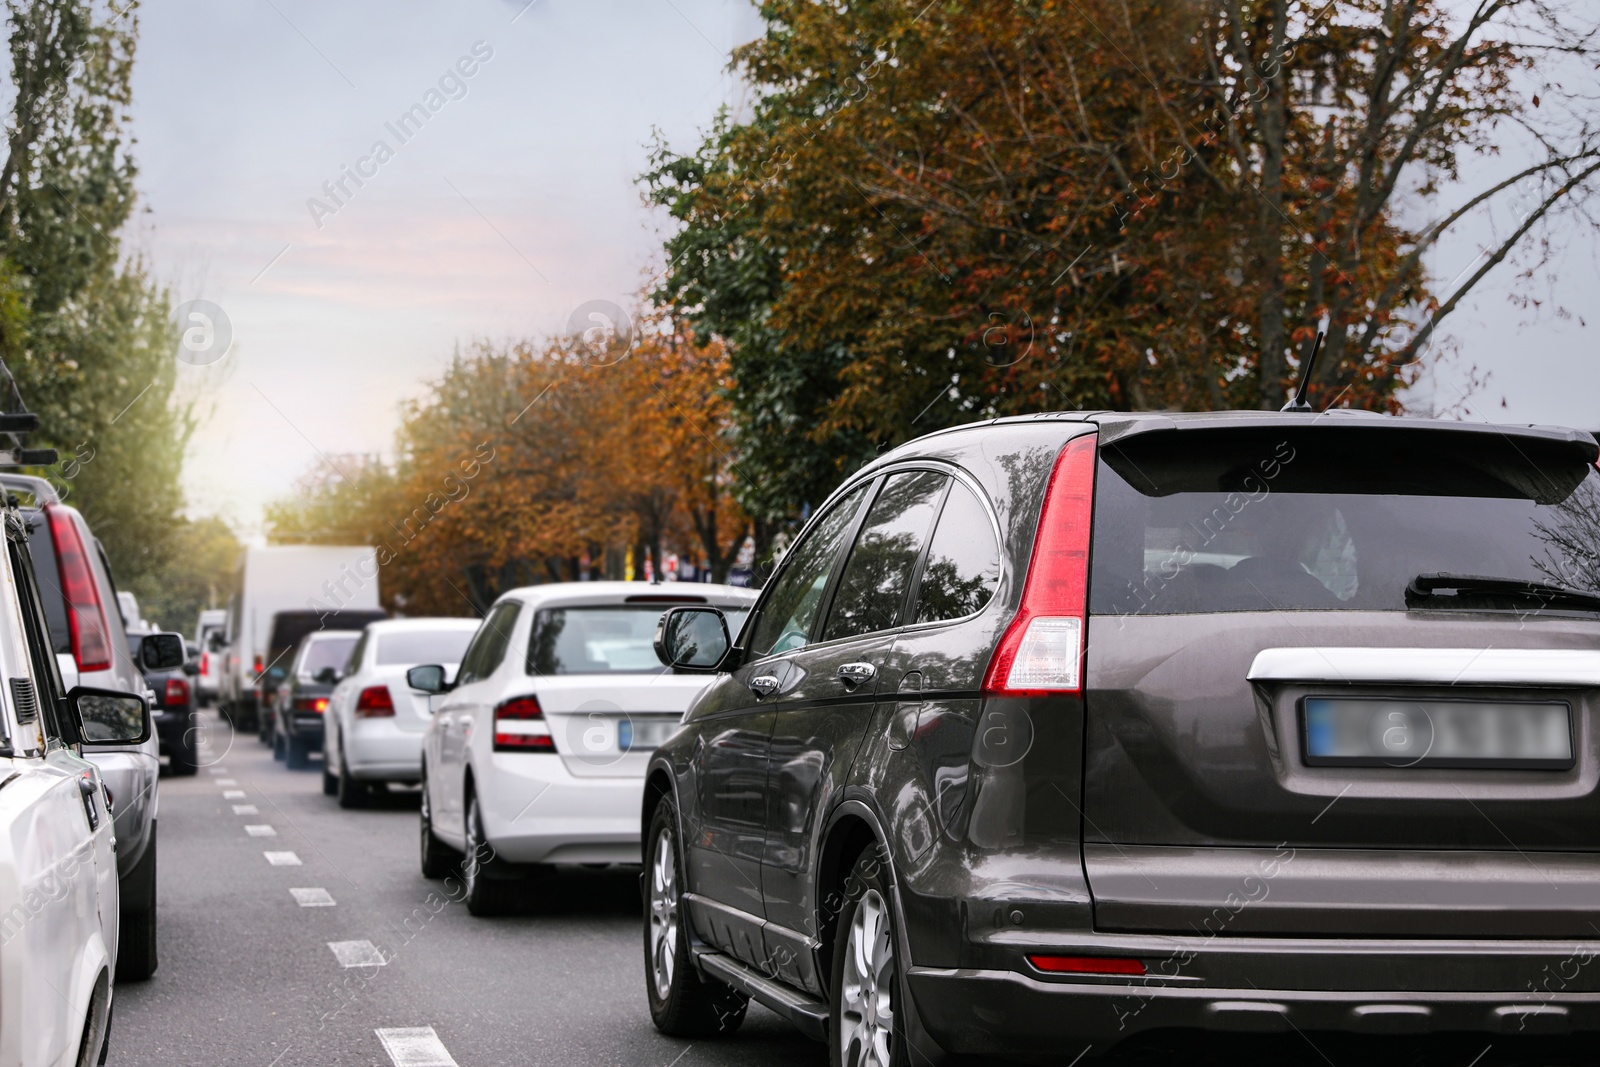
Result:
528,465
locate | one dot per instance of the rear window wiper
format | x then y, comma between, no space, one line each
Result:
1430,589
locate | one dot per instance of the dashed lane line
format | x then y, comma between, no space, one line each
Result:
260,830
282,859
357,954
246,809
313,898
415,1046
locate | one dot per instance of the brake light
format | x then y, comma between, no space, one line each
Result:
86,616
519,726
317,705
1086,965
375,703
257,669
205,663
177,692
1042,650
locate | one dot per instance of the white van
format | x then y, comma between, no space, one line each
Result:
324,579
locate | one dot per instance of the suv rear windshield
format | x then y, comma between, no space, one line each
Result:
602,639
423,646
1327,522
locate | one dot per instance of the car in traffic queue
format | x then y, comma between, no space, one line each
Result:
1052,731
375,720
86,629
60,882
173,711
210,637
301,700
535,753
286,636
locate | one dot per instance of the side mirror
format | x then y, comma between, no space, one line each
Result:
106,717
692,639
192,668
428,678
162,652
327,676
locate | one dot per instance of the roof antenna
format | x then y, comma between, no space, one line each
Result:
1298,401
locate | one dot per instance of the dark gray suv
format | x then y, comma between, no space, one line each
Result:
1051,731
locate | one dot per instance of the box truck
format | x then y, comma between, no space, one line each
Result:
321,586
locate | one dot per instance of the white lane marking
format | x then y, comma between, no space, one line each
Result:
217,770
313,898
226,781
415,1046
357,954
246,809
282,859
233,794
260,830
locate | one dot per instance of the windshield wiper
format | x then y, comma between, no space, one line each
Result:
1426,587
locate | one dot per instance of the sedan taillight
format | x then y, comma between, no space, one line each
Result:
312,704
375,703
177,692
519,726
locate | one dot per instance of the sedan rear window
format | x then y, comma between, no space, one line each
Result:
602,639
1312,525
423,646
326,652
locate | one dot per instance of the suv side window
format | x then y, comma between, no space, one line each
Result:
963,565
791,607
872,589
490,644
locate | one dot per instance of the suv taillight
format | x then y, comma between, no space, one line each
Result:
1042,650
205,663
257,670
177,692
375,703
86,616
519,726
312,704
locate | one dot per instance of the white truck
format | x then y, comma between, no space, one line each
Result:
283,592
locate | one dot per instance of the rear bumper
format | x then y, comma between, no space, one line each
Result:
1007,1013
536,811
303,728
999,1005
171,726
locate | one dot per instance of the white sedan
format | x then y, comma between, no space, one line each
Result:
536,753
375,721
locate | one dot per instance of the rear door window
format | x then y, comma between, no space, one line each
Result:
791,607
1199,531
489,646
963,565
873,587
42,549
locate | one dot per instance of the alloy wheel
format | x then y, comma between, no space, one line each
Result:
663,914
866,1015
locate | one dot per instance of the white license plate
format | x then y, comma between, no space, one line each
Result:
636,734
1378,732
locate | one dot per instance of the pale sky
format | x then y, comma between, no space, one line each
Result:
515,203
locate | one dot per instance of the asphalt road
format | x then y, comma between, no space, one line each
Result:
248,978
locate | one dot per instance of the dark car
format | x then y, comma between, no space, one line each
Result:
1052,731
301,703
289,628
173,711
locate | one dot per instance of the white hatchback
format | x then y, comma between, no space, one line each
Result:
536,753
374,720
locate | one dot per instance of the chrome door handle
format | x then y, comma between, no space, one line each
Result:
854,674
764,685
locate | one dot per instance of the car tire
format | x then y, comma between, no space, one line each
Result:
482,894
865,1009
280,747
330,783
682,1004
351,793
265,730
439,860
296,753
136,932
